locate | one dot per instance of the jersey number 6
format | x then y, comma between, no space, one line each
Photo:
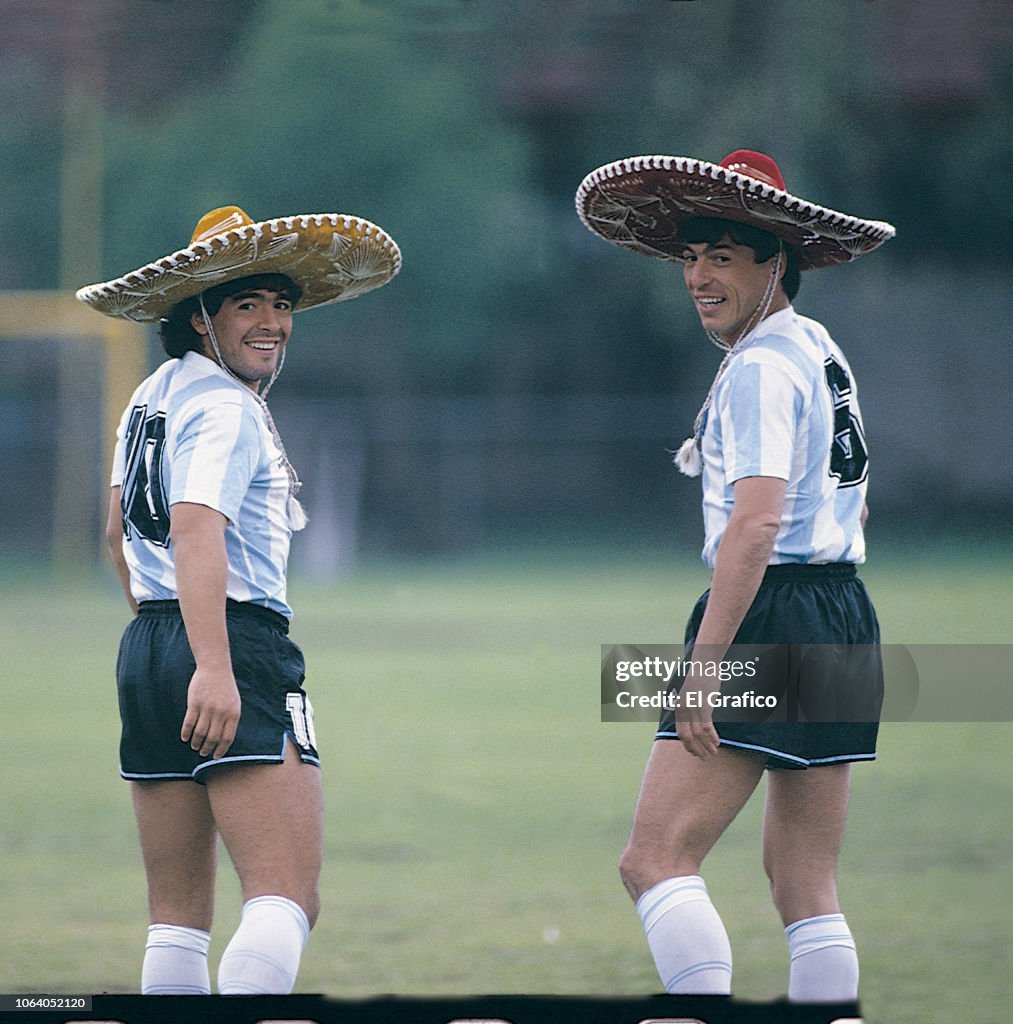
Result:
849,458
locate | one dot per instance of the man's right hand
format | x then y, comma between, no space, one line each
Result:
694,719
212,712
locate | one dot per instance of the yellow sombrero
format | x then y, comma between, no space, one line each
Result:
330,256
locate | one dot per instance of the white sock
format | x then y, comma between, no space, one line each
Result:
263,956
686,937
824,964
175,962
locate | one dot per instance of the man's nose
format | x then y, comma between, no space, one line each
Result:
269,318
696,274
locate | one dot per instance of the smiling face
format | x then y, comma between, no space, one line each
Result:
727,285
252,328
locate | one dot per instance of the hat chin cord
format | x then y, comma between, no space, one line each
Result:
688,458
297,518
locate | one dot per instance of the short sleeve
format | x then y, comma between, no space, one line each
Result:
215,457
759,406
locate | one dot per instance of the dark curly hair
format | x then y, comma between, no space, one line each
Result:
708,230
175,331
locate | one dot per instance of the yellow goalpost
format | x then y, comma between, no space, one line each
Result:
58,315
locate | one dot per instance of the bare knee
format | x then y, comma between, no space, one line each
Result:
799,895
650,858
642,866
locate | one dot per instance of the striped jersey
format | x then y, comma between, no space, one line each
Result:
191,433
786,407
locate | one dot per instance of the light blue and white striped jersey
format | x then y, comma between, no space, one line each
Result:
786,407
193,434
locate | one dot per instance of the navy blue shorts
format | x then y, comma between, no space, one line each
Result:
153,673
812,636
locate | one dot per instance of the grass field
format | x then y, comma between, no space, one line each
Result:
477,805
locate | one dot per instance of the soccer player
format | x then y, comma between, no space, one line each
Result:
782,452
217,731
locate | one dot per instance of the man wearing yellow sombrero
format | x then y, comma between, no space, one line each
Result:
217,730
780,446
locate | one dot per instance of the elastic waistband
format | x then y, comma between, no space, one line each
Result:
241,609
797,572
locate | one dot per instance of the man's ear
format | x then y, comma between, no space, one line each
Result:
197,323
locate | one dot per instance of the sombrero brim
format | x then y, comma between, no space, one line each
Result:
639,203
331,256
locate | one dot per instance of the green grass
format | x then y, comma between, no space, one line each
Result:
476,805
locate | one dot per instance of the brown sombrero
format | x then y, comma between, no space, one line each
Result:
638,204
331,256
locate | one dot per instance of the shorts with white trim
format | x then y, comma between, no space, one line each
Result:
814,634
153,673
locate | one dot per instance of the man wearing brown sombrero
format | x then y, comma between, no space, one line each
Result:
217,730
781,449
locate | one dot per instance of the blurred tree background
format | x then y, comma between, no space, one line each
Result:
520,375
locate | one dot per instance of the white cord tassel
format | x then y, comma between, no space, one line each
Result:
297,518
687,458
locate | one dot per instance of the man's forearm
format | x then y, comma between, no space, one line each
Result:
213,702
198,538
742,558
741,561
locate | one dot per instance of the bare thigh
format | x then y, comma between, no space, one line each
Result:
179,847
271,819
685,805
803,829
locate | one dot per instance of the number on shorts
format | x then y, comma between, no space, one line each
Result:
300,710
